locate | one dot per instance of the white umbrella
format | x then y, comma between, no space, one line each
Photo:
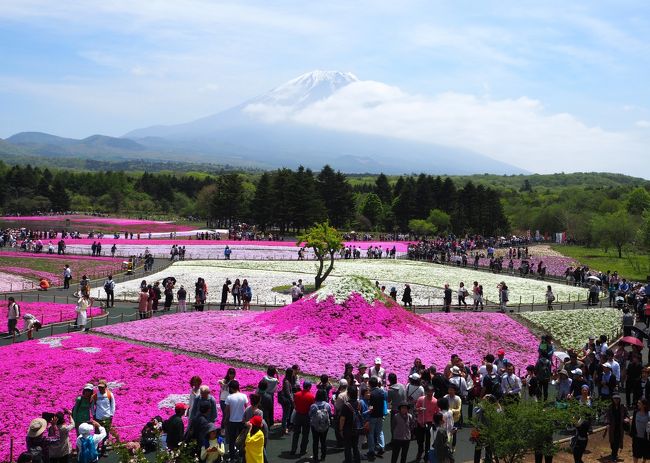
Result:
594,278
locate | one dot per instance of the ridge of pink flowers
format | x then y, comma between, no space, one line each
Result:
355,333
43,378
309,317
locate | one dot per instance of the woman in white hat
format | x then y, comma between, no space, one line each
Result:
39,441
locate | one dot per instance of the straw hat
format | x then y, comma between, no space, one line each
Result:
37,427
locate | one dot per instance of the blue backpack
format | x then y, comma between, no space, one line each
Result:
88,450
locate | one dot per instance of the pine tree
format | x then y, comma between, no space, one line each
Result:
383,190
262,204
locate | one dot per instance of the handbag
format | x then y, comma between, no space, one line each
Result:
240,442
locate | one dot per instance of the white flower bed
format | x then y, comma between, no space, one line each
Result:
426,280
422,273
572,328
261,282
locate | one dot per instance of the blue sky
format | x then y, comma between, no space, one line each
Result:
545,70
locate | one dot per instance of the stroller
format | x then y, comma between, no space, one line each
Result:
620,302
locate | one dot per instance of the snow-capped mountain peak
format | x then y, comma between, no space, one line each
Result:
306,89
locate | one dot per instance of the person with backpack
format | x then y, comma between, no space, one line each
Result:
82,404
352,425
38,441
491,383
103,408
87,444
320,416
13,315
543,374
109,288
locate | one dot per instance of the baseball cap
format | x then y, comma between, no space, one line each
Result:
256,421
343,382
89,387
180,406
378,361
501,352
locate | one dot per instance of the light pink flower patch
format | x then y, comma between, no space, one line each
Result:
48,377
49,312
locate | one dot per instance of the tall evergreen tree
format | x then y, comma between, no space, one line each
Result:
383,189
262,204
59,198
404,205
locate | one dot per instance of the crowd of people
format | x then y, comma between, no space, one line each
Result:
426,410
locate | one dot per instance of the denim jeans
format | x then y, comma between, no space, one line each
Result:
287,408
376,435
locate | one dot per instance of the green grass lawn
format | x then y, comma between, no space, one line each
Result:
633,266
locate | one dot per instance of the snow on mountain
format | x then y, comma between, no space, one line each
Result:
306,89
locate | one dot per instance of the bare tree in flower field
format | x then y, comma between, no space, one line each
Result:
325,241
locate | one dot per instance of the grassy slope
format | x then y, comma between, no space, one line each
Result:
632,267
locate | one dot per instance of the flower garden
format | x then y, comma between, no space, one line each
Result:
31,268
427,280
571,328
48,375
324,331
91,223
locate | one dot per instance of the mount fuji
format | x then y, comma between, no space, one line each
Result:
263,132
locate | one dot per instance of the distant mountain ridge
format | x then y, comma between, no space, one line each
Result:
254,134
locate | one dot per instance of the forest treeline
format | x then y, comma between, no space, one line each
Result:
290,200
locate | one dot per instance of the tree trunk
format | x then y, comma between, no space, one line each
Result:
318,279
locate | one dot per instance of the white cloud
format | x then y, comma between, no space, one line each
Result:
643,124
519,131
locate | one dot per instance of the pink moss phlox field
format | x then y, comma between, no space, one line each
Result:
65,257
321,336
83,219
41,378
30,273
400,246
48,312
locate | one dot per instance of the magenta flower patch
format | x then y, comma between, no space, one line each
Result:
48,374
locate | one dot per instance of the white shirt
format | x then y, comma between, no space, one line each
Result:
237,403
616,369
96,437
